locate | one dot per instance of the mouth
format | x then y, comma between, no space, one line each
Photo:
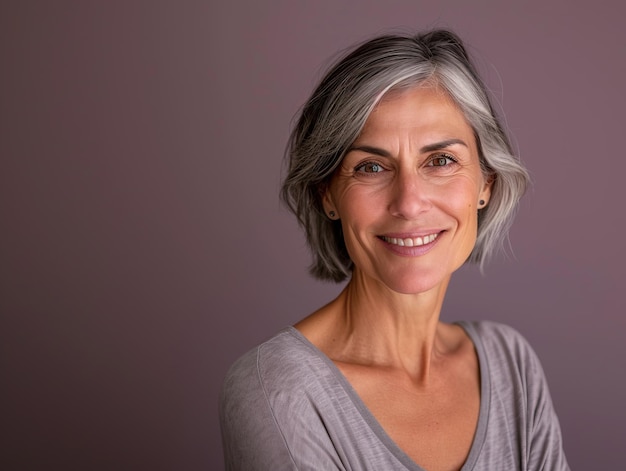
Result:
410,241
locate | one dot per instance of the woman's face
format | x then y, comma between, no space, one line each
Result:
408,190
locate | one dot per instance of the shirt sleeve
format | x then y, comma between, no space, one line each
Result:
251,438
521,406
545,445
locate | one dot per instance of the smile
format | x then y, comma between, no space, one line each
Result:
411,241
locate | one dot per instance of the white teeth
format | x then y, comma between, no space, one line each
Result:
411,242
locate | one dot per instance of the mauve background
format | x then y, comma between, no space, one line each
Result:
143,248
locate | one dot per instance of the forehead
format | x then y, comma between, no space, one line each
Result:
419,108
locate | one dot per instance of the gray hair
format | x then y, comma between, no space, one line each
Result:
334,116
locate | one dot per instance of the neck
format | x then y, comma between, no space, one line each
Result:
369,324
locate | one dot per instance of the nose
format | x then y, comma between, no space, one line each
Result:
409,196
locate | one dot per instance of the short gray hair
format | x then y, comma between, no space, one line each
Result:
334,116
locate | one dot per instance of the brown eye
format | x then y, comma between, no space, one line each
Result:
369,167
442,160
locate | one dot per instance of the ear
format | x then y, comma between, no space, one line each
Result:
485,192
327,202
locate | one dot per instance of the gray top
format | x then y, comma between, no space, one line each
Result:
286,406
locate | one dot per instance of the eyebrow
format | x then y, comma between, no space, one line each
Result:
442,145
427,148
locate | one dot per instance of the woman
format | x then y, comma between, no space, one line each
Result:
399,172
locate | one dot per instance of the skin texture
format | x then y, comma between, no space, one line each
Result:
413,172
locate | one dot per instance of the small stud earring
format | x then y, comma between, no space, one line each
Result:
331,214
481,203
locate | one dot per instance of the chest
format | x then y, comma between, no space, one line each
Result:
434,425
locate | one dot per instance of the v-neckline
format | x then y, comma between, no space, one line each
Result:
379,431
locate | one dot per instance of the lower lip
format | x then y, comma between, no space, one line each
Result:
414,251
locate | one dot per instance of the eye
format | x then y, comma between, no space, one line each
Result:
369,167
441,160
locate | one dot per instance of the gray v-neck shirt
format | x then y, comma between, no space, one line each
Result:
286,406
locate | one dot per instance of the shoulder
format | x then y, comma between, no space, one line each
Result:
500,342
521,414
279,376
508,357
494,331
514,370
259,390
286,359
270,406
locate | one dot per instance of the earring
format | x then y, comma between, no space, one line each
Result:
331,214
481,203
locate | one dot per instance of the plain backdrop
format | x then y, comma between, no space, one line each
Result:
143,247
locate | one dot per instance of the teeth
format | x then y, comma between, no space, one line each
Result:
411,242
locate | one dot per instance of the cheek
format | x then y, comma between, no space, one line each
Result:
359,203
461,201
462,205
